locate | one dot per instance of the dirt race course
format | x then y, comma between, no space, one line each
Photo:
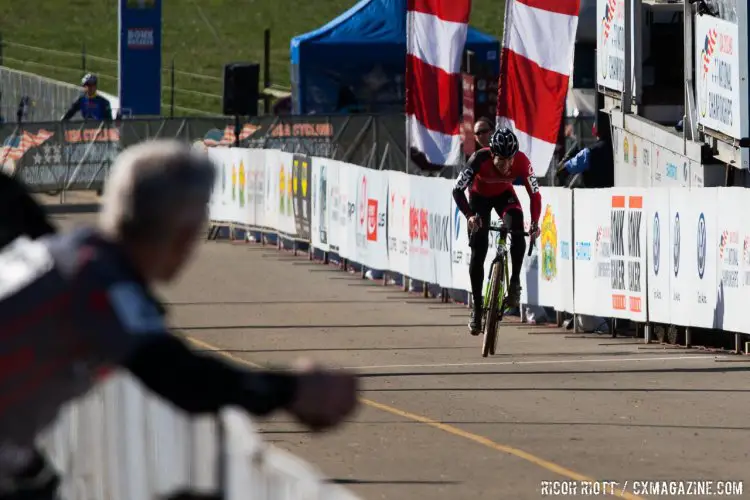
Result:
440,422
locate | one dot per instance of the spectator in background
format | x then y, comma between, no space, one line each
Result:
91,105
482,130
595,164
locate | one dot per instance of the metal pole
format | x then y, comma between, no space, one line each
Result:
171,99
627,90
266,69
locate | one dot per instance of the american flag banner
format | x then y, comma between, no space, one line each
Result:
18,145
535,65
435,39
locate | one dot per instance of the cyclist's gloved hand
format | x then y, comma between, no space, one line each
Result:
475,222
534,230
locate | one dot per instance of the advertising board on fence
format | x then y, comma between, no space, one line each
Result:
667,255
717,74
610,31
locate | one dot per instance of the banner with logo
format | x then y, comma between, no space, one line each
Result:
628,255
592,251
320,221
139,69
733,260
367,228
301,171
717,75
694,233
659,249
633,162
547,277
460,250
429,229
610,46
338,236
398,221
255,163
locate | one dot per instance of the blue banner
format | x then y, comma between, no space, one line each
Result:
140,57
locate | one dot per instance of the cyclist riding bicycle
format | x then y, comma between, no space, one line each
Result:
489,175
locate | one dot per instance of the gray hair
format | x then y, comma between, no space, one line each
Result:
156,187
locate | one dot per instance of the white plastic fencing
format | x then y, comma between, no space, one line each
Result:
119,443
667,255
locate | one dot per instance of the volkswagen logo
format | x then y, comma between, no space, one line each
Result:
657,243
456,223
701,245
676,248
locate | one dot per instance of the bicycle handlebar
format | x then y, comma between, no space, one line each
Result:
499,228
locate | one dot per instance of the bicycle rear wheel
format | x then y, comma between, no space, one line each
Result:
490,324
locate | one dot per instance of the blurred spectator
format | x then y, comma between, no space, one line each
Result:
594,166
91,105
482,129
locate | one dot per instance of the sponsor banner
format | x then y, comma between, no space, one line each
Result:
139,74
320,221
717,75
659,248
460,250
610,47
633,159
547,277
301,171
732,261
284,169
338,236
592,249
694,233
429,229
367,220
627,255
399,187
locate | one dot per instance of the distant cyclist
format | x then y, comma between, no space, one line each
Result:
90,104
489,175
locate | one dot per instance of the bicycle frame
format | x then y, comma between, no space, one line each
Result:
501,258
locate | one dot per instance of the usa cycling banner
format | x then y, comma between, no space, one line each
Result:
139,70
660,254
732,260
367,196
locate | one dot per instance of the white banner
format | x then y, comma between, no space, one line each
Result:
733,260
592,251
717,74
659,248
610,47
285,221
338,179
628,255
367,224
398,222
320,221
694,233
460,250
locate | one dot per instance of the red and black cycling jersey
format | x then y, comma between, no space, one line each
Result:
482,179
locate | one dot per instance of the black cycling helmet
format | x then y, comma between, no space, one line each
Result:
89,79
504,143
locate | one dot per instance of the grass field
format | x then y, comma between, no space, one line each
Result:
201,36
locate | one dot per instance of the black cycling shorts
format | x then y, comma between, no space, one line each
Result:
505,205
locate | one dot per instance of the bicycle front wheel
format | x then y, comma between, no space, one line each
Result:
493,308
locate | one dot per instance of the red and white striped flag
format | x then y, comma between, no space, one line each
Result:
535,65
435,39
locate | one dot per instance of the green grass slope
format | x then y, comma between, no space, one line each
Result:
47,37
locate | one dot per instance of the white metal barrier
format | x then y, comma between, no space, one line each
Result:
120,443
677,255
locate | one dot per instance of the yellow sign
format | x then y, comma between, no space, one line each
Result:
234,181
304,179
295,175
549,245
282,189
242,183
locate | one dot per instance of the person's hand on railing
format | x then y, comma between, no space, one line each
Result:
323,398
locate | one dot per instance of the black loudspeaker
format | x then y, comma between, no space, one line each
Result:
241,89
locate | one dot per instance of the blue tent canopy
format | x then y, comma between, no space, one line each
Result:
357,60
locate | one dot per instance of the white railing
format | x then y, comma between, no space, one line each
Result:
121,443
